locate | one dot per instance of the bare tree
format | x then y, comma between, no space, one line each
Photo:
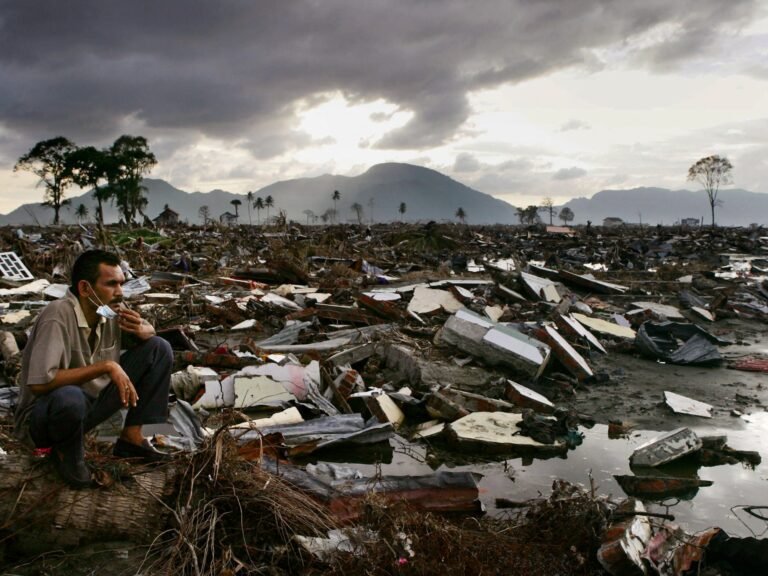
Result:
547,206
711,172
204,213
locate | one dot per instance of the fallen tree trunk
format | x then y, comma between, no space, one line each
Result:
35,504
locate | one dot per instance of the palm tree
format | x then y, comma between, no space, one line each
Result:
461,215
236,203
402,209
329,214
81,212
357,208
249,198
335,197
259,205
269,202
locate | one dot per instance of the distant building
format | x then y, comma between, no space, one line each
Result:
167,217
692,222
566,230
612,222
228,219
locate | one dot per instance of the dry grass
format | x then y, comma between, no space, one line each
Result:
557,535
232,517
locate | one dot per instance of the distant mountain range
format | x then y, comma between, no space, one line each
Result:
427,194
663,206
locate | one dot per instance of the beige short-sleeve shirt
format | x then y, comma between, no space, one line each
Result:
59,339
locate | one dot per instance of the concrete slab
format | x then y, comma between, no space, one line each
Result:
605,327
683,405
666,448
541,288
428,429
496,344
564,352
385,410
703,313
669,312
524,353
496,432
494,312
429,301
288,416
526,398
575,330
253,391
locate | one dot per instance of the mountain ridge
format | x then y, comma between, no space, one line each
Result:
428,195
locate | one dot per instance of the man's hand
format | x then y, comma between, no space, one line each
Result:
124,385
131,322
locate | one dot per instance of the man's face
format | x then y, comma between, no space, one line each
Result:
108,286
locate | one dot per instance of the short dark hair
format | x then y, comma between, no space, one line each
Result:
86,267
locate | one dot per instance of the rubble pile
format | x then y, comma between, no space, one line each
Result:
489,342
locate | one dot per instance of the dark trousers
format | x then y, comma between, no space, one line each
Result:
62,417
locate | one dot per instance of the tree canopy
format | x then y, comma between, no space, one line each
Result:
88,167
131,159
711,172
236,203
48,161
58,163
528,215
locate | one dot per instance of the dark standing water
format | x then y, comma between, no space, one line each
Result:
734,485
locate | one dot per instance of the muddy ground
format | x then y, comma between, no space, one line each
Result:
633,393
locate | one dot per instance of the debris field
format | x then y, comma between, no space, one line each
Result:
300,346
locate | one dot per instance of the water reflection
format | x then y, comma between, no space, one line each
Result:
514,479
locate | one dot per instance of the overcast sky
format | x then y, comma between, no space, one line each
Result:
522,99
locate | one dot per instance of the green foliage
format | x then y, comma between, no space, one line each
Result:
529,215
48,161
59,163
88,166
131,160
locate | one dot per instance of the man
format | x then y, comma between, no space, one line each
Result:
73,376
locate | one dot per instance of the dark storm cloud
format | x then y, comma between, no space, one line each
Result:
237,69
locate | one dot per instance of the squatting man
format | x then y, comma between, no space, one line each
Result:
73,375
